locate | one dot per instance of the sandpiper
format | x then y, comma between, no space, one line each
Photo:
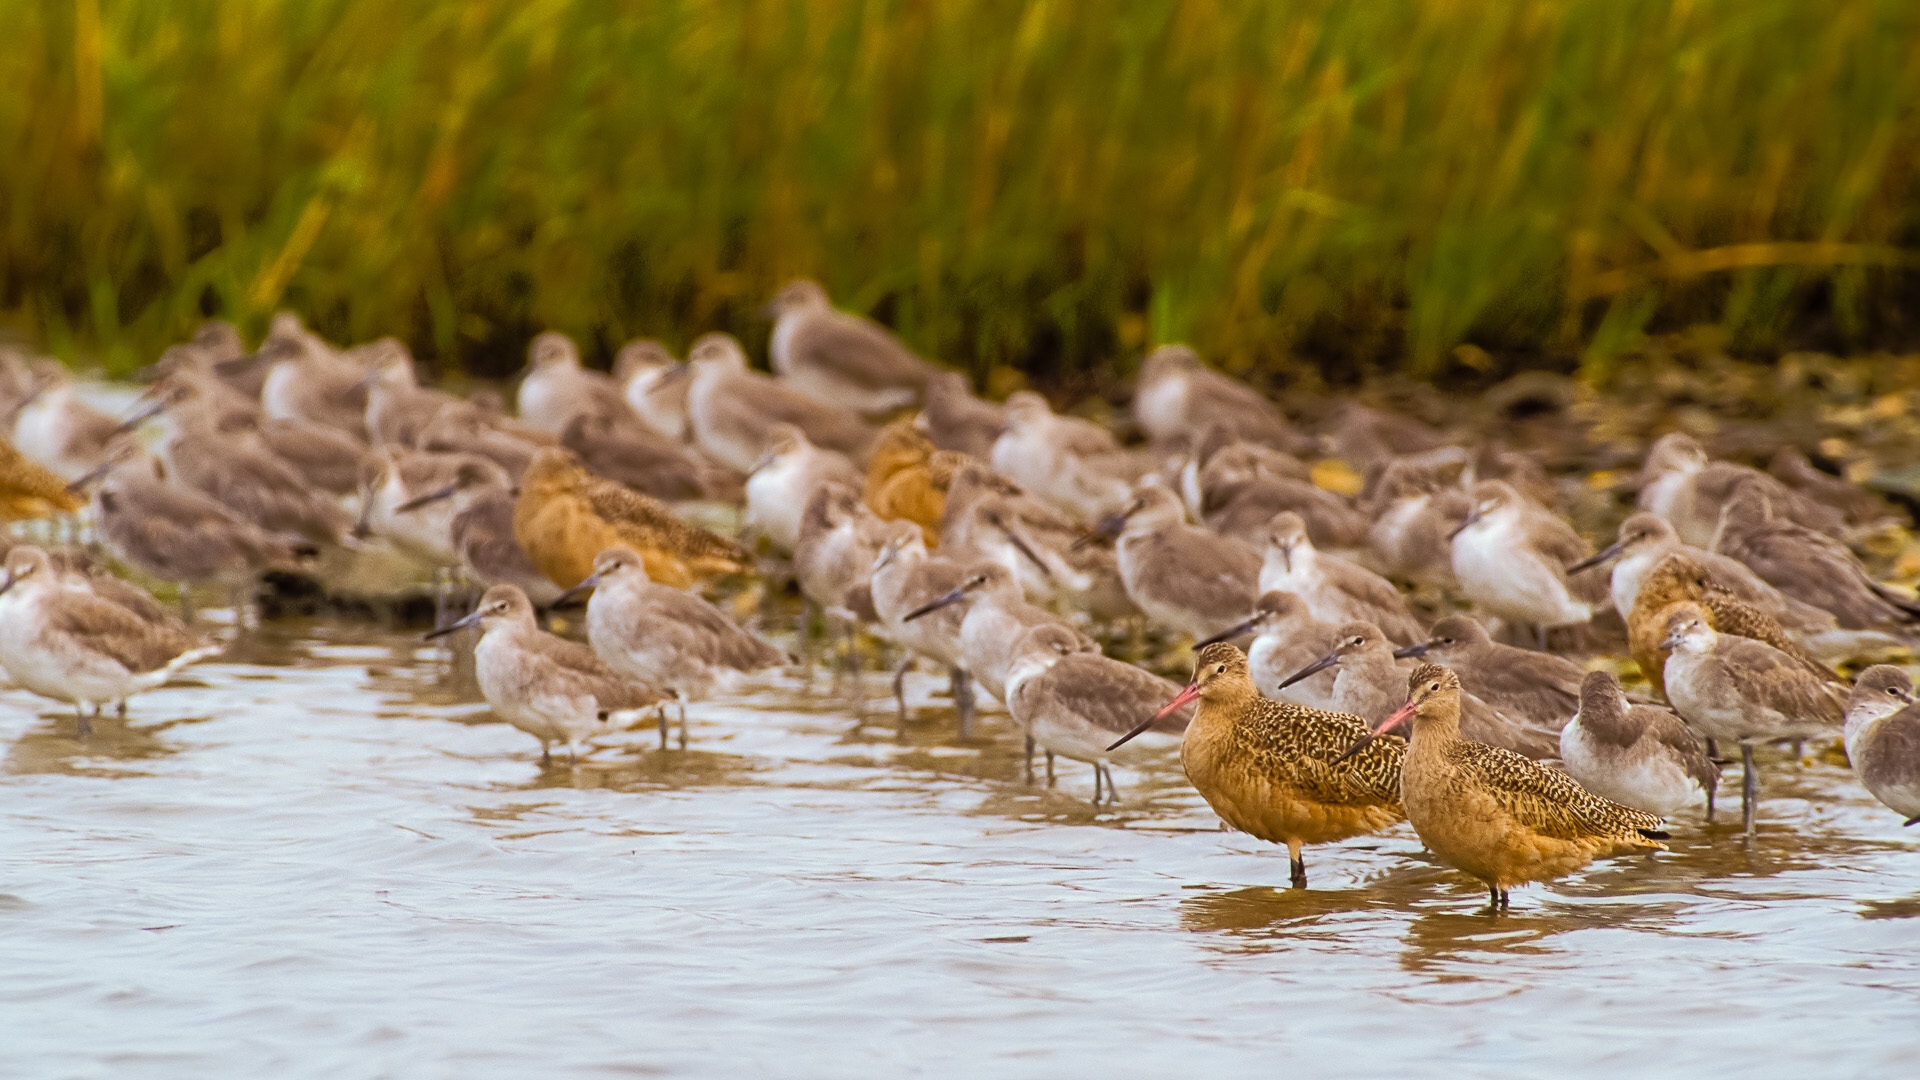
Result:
1679,483
655,386
1537,687
1860,508
1636,755
307,381
1334,589
731,409
839,540
1073,464
1281,771
1494,814
1807,564
905,578
783,481
1184,578
557,388
553,689
462,429
1177,394
1075,702
61,640
404,499
398,407
987,516
58,429
996,617
239,471
836,356
481,532
1883,739
566,516
666,638
1739,689
1511,557
1287,638
956,420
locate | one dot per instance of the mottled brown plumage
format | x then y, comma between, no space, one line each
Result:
907,478
1680,578
1494,814
29,491
566,516
1275,770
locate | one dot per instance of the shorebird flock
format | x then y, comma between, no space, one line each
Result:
1386,624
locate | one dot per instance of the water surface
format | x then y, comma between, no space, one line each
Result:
321,856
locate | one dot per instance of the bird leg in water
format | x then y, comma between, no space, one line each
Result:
1710,793
546,757
663,724
1540,634
1049,768
963,700
1296,865
1749,787
1113,792
1029,761
900,687
84,726
683,723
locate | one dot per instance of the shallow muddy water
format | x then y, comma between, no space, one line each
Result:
321,856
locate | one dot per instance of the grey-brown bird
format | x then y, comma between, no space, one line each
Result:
955,420
1807,564
782,483
1637,755
838,357
1540,688
1334,589
1184,578
633,454
558,389
1680,483
480,530
1858,506
731,410
1883,739
1177,395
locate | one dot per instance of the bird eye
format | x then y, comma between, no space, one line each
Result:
1433,686
1893,690
1219,669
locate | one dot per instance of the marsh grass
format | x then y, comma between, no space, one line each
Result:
1050,183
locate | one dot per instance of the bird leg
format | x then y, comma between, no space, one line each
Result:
573,752
1540,634
900,687
546,757
1713,751
1029,761
1049,768
122,710
683,723
1710,794
84,726
963,700
1296,865
1113,790
663,724
1096,785
1749,787
1506,900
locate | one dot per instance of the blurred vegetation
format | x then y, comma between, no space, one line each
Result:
1051,184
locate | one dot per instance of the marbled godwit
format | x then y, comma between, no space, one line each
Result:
1184,578
1540,688
839,357
665,638
633,454
1075,465
905,579
27,490
782,483
398,407
1281,771
553,689
61,640
656,387
557,388
1177,395
731,409
1367,683
57,429
1636,755
1076,703
1736,688
480,530
1859,507
1511,557
566,516
1883,739
1678,578
956,420
1492,813
1287,638
1334,589
1807,565
907,479
1679,483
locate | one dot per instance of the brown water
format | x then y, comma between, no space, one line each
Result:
321,856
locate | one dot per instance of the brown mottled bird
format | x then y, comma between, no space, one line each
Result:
1280,771
29,491
1494,814
907,478
1680,578
566,516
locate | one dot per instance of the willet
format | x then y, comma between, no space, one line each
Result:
459,428
655,386
1679,483
836,356
1216,459
1494,814
1334,589
1511,557
1363,436
326,458
1739,689
307,382
1243,507
1883,739
907,478
1280,771
480,529
665,638
1075,465
60,640
1645,539
1287,638
1636,755
838,543
1808,565
1678,578
987,516
566,516
1416,504
782,483
553,689
237,469
906,578
58,429
1539,688
956,420
398,407
1177,395
1367,683
731,410
1081,705
995,618
403,499
633,454
1184,578
557,389
1860,508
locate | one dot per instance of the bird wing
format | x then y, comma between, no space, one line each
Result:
1781,683
1378,595
106,628
858,349
1545,800
1298,747
583,672
1734,616
1215,574
709,633
1112,695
